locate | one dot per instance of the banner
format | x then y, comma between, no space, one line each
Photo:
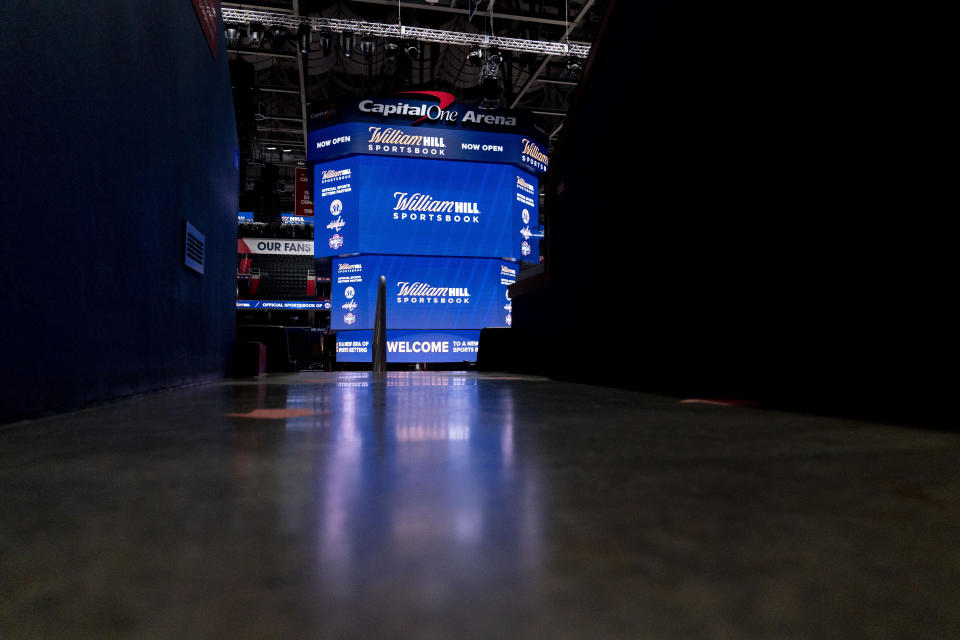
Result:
410,346
275,246
422,110
407,141
422,293
303,199
282,304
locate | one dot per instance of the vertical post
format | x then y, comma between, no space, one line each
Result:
380,328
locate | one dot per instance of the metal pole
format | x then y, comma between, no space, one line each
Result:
380,329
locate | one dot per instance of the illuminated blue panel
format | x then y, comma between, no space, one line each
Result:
422,293
526,220
341,140
336,212
410,346
425,207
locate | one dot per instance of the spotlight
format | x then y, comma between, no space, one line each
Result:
347,44
574,66
490,79
255,33
391,48
475,57
304,36
326,42
277,35
367,46
287,149
412,49
271,148
232,34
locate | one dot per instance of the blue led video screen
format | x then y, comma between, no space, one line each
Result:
411,345
422,293
438,143
425,207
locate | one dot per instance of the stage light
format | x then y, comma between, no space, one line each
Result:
347,44
391,48
325,42
475,57
393,30
255,33
271,148
574,66
490,79
287,149
232,34
412,49
304,36
277,35
367,46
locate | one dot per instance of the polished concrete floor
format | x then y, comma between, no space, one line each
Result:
452,505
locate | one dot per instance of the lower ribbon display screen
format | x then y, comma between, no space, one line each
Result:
422,293
410,346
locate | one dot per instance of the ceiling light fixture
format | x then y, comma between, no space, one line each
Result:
385,30
304,36
255,33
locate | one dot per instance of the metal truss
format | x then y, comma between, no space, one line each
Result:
381,30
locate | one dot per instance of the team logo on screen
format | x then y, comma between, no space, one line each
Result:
525,232
509,319
336,225
336,241
350,306
349,292
523,184
525,248
349,318
525,216
336,207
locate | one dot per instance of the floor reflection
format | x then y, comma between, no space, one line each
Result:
394,474
420,466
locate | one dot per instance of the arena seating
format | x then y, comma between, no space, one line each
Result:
280,277
283,231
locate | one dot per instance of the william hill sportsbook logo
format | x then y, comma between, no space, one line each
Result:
523,184
531,154
425,293
392,140
423,207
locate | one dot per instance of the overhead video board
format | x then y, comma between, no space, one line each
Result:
422,293
418,207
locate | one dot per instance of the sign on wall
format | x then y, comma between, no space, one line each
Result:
275,246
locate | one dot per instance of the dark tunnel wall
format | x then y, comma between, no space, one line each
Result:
118,127
733,212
